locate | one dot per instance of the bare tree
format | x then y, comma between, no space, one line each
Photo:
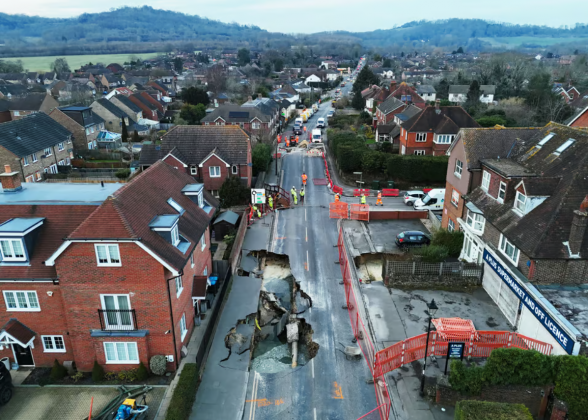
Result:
217,79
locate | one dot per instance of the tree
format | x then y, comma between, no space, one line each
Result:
217,80
178,64
136,138
192,114
357,102
387,63
60,65
195,96
233,193
473,97
442,89
491,121
244,57
125,133
365,78
261,157
278,64
377,57
459,50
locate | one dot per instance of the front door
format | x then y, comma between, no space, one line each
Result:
24,356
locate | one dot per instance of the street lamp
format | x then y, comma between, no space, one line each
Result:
432,310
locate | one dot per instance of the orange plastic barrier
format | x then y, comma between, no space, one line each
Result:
390,192
339,210
358,192
337,190
359,212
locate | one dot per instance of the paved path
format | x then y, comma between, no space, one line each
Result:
67,403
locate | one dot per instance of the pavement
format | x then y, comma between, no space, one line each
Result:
67,402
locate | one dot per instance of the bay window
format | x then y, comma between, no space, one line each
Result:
475,221
509,250
520,201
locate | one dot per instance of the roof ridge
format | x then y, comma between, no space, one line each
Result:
67,116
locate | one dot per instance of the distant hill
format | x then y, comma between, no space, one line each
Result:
474,33
144,29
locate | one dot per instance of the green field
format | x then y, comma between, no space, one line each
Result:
75,61
517,41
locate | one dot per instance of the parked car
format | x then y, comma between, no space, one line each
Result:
320,123
5,384
330,113
297,129
412,238
410,197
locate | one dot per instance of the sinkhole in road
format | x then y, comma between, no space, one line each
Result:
281,302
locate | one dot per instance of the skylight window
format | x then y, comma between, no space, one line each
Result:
546,139
176,206
564,146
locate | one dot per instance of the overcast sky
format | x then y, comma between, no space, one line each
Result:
307,16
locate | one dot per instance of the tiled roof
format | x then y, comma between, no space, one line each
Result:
128,103
195,142
112,108
385,128
459,89
489,143
60,221
128,212
390,105
406,90
426,89
32,134
541,232
144,101
446,120
236,113
31,102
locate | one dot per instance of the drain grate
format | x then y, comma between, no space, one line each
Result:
319,181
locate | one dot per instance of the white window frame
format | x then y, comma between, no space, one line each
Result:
25,161
118,324
420,152
518,201
48,152
18,308
60,146
203,242
486,180
444,139
193,170
192,260
68,161
419,137
34,157
126,345
30,178
53,169
38,176
175,235
501,189
455,201
11,242
212,170
17,113
504,243
255,125
458,168
90,145
179,286
235,169
87,131
53,342
61,162
474,222
451,225
108,256
183,327
201,199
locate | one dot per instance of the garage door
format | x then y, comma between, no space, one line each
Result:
501,294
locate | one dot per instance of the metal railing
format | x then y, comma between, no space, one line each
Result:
117,319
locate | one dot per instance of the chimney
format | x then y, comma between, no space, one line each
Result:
438,106
259,96
578,230
392,85
10,180
249,99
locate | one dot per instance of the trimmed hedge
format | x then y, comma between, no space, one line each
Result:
484,410
512,366
417,168
184,395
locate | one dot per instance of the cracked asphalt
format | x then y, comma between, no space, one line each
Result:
329,386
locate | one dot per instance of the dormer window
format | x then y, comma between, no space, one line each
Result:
520,202
12,250
476,222
175,236
17,238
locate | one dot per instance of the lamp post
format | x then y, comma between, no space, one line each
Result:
432,310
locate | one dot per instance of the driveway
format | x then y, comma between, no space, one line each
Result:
67,402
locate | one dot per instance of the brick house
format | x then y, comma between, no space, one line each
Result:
386,111
35,145
209,153
83,124
29,104
148,109
407,94
526,222
459,93
128,106
112,115
250,118
112,270
432,131
580,120
464,170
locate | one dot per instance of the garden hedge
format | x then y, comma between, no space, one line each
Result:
184,395
484,410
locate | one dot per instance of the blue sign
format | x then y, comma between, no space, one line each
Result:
534,307
455,350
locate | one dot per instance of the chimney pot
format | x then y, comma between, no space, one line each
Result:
10,180
7,169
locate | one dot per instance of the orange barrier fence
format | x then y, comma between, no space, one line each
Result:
339,210
358,192
390,192
359,212
337,189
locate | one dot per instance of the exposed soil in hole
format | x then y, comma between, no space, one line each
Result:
282,301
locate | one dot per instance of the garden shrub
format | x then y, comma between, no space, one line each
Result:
466,380
184,394
571,385
123,173
431,253
142,372
485,410
261,157
158,365
452,241
58,372
97,372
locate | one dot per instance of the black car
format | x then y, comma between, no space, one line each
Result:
297,129
412,238
5,384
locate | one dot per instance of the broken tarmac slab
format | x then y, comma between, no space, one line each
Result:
222,391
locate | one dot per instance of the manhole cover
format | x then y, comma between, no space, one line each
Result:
319,181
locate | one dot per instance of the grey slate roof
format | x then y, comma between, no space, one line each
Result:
488,89
390,105
409,112
459,89
236,113
446,120
426,89
31,134
196,142
227,216
127,102
112,108
31,102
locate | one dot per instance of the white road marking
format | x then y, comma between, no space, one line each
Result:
307,262
305,215
253,397
312,366
307,234
315,413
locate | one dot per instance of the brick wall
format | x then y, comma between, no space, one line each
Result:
79,139
450,211
531,397
172,161
8,158
582,121
214,183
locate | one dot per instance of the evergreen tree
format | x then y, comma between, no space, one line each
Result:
125,134
473,97
243,56
195,96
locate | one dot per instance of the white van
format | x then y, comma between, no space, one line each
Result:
317,136
320,123
298,121
432,201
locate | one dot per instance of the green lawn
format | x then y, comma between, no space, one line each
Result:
515,41
76,61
